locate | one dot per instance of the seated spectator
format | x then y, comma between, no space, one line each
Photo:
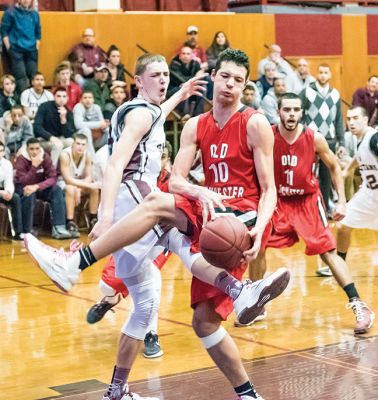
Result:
300,78
183,67
198,53
90,122
251,96
36,178
21,32
265,82
270,102
76,179
8,94
54,123
8,195
368,99
33,97
85,56
283,67
17,129
219,43
115,67
117,97
98,85
63,78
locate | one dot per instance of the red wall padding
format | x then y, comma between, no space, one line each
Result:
309,35
372,34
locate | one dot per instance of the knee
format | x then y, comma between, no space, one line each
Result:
156,203
70,190
204,327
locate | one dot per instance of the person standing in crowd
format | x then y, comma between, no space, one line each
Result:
21,33
274,56
219,43
299,79
368,99
115,67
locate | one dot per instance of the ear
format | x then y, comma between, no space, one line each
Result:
138,81
213,73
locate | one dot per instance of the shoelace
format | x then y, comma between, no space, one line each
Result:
114,390
357,306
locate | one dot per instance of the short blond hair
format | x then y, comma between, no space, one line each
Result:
6,76
146,59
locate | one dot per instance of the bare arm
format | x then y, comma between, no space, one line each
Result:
64,160
329,159
350,167
260,138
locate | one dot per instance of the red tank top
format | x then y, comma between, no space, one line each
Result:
227,160
294,164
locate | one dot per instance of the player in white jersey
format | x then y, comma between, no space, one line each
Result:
362,209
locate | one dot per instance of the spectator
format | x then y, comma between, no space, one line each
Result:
368,99
283,67
98,85
63,78
8,95
17,129
270,102
251,96
117,97
90,122
300,78
54,123
219,43
33,97
115,67
21,33
85,56
76,179
265,82
8,195
198,53
322,113
36,179
183,67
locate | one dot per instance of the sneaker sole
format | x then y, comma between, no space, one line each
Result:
276,287
41,268
237,324
155,355
365,330
319,273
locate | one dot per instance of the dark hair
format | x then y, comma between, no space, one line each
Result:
36,74
17,107
371,77
111,48
189,44
60,89
232,55
215,46
32,140
277,79
86,91
324,65
362,109
288,96
80,136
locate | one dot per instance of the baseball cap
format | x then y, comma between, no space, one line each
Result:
100,66
191,29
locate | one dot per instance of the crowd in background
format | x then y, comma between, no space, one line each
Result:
53,141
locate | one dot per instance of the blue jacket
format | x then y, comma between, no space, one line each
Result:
23,28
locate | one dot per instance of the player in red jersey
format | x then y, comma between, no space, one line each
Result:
256,137
300,209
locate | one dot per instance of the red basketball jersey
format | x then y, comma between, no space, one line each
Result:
227,160
294,164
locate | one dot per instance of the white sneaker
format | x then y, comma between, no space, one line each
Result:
116,392
324,270
251,398
260,317
254,295
60,266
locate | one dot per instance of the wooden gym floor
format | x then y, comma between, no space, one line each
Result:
304,350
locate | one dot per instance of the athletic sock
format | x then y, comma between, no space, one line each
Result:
92,216
351,291
342,255
228,284
86,258
120,375
68,220
246,389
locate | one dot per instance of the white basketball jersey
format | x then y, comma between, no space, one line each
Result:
77,171
145,163
368,163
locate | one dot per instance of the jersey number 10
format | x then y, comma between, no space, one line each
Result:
220,172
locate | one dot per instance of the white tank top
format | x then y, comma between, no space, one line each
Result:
77,171
145,163
368,163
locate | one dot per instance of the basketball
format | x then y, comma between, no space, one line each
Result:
223,242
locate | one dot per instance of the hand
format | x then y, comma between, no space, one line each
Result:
30,189
341,152
209,200
104,124
100,228
340,212
62,112
256,235
54,141
77,197
37,160
95,185
6,195
193,87
75,245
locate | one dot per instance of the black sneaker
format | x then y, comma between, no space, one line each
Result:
98,310
18,237
92,223
73,229
152,347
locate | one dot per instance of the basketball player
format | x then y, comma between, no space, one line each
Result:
300,208
362,209
160,207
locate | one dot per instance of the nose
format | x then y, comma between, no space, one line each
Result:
230,82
